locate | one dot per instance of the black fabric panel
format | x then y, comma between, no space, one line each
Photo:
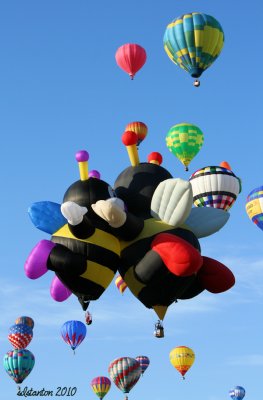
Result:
166,291
91,251
81,286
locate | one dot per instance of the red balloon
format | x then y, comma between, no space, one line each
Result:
130,57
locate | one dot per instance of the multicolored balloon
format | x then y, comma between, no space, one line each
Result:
182,358
18,364
139,128
144,363
120,284
184,141
238,393
73,333
20,335
125,373
215,187
100,386
254,206
25,320
131,57
193,42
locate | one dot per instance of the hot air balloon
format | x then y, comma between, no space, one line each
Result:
20,335
25,320
131,57
193,42
215,187
238,393
125,373
73,333
100,386
139,128
144,363
254,206
18,364
182,358
120,284
184,141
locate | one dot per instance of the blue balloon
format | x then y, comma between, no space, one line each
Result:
237,393
73,333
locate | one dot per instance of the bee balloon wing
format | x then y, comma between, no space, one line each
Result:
172,201
204,221
46,216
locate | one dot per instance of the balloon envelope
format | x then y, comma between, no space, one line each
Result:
73,333
18,364
100,386
120,284
215,187
193,42
131,57
25,320
144,363
238,393
125,373
184,141
139,128
182,358
254,206
20,335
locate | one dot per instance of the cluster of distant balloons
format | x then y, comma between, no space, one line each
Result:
19,362
192,41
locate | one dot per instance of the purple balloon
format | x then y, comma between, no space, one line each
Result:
82,155
58,290
94,174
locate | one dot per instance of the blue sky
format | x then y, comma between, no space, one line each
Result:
61,91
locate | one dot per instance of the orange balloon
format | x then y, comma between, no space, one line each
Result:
225,164
139,128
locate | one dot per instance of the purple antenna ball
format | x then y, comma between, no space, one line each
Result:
82,156
94,174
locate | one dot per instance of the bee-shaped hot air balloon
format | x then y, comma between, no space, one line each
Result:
163,262
83,251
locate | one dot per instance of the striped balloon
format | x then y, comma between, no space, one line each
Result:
125,373
100,386
254,206
184,141
182,358
18,364
238,393
193,42
20,335
215,187
139,128
73,333
25,320
120,284
144,363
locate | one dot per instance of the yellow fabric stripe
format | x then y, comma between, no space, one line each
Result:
99,238
151,227
134,285
253,208
99,274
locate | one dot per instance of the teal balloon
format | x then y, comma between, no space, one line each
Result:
18,364
193,42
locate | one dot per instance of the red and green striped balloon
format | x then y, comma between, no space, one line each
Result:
125,373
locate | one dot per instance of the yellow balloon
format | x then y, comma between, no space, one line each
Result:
182,358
